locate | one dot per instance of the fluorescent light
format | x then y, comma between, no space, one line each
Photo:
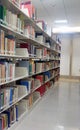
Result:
61,21
66,30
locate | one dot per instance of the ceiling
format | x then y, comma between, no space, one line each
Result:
51,10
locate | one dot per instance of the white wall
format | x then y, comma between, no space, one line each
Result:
70,42
65,55
76,56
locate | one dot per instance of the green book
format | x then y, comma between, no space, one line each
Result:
4,14
2,99
1,12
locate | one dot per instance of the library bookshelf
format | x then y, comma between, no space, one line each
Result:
29,63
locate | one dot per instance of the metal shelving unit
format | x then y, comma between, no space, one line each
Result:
21,37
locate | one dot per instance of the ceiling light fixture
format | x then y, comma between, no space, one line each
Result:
61,21
66,30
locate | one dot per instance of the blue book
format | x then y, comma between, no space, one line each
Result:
27,84
16,112
11,96
2,99
0,123
24,64
48,74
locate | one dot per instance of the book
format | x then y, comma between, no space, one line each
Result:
22,90
40,38
5,121
31,67
1,13
1,123
8,115
36,96
22,68
47,75
26,46
22,107
28,9
27,83
22,52
41,90
42,25
39,53
2,72
1,41
39,67
40,78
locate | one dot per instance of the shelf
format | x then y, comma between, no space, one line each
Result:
44,83
25,76
17,100
15,79
20,36
27,58
8,106
11,6
24,114
16,33
14,56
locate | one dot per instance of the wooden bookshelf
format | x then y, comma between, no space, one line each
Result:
49,64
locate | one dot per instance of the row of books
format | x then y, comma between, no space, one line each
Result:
7,71
8,46
56,47
16,22
8,94
12,114
31,67
29,9
8,117
7,43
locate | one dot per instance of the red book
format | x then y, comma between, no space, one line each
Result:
40,77
26,45
31,10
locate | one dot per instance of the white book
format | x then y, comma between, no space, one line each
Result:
25,10
37,83
21,71
7,71
40,25
7,96
7,16
39,67
36,95
23,107
6,45
13,71
22,52
22,90
39,53
15,95
40,38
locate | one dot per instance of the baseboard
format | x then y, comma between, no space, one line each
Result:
69,78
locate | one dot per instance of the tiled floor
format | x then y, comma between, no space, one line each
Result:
58,110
